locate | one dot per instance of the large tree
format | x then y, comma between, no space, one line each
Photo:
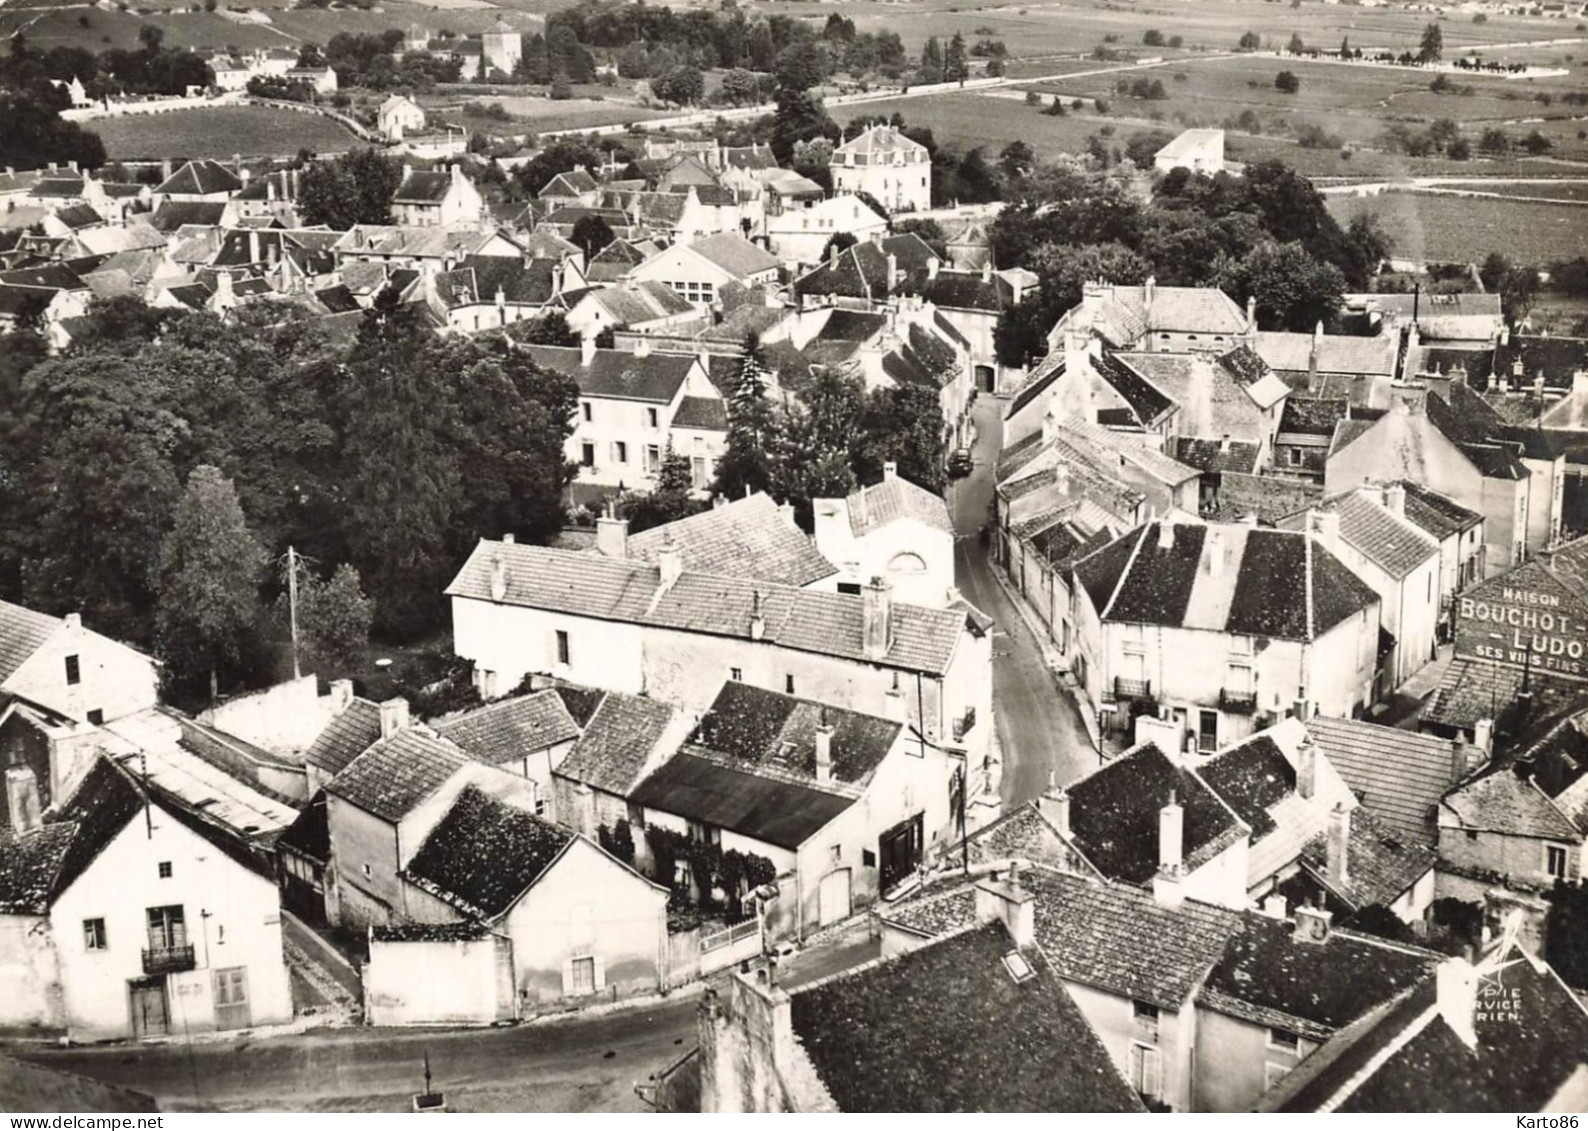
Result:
355,188
211,566
956,68
334,618
903,424
1294,290
747,463
1432,46
932,63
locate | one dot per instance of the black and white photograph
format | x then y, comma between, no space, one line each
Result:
829,556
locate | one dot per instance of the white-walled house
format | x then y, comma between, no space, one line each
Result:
883,162
398,115
121,917
1219,629
845,805
437,199
892,529
677,634
799,235
56,663
700,270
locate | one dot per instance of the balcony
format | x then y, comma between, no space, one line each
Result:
168,959
1238,702
1135,690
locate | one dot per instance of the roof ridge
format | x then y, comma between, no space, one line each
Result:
1130,563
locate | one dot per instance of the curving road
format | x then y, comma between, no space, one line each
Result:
1039,727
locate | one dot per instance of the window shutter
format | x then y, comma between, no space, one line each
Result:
567,977
1151,1072
600,974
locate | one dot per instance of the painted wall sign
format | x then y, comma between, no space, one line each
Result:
1523,628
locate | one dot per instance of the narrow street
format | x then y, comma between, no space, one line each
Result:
1038,725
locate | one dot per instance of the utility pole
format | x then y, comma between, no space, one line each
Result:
292,606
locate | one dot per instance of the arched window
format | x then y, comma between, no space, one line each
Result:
907,563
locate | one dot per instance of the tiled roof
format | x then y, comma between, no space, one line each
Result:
618,743
397,773
1024,834
77,216
1117,938
1437,515
1313,416
172,214
755,728
511,728
852,326
22,633
871,508
200,178
429,932
747,538
769,809
967,290
1390,542
310,834
1268,498
1336,353
1504,802
1406,1057
37,867
587,585
1381,865
347,736
1471,690
484,855
581,703
1114,815
1268,976
1217,456
1399,775
423,187
616,375
735,254
1145,399
573,183
705,414
946,1028
879,141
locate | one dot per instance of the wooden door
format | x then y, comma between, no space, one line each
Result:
899,850
150,1018
231,998
834,897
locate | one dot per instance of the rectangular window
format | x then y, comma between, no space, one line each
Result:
653,458
167,927
697,473
165,869
1284,1040
96,716
584,975
74,671
736,674
1555,860
587,454
231,998
1295,457
93,934
1146,1070
562,647
788,684
1144,1011
651,418
636,815
585,408
620,451
851,588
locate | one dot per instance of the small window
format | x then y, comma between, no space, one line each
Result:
653,458
852,588
1472,834
584,976
94,934
651,417
74,671
367,872
788,684
1144,1011
587,454
1555,860
585,407
165,869
562,647
620,451
636,816
736,674
1017,966
1295,457
96,716
1284,1040
868,858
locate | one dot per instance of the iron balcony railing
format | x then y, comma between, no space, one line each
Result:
168,959
1238,702
1135,689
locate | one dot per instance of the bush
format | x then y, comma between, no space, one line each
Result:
1033,98
1177,41
1153,38
1102,105
1286,82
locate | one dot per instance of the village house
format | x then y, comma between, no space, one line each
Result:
528,735
575,186
198,182
623,738
891,529
644,308
123,917
1152,319
399,115
676,634
572,923
487,292
1503,1034
752,537
1200,152
441,198
881,161
1367,529
844,805
396,247
502,47
632,406
972,300
1219,629
1306,433
798,236
1357,370
57,664
700,270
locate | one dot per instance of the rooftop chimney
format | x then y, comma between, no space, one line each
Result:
931,267
757,618
890,470
877,617
341,695
1395,499
1307,768
671,561
1460,757
893,272
1337,845
1054,804
1483,736
393,716
1171,835
1251,311
1274,906
612,537
22,800
587,350
1312,924
498,576
1165,533
1007,902
73,621
1456,990
1151,290
642,346
824,753
986,270
1215,552
1061,480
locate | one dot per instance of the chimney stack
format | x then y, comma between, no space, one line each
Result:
22,800
1312,924
1251,311
1054,804
1307,768
1274,906
877,617
1171,835
931,267
1215,552
671,561
642,346
341,695
890,470
612,537
1165,533
73,621
1456,994
1395,499
393,716
1460,757
1151,290
1326,525
824,753
1483,736
1007,902
757,619
1337,845
893,272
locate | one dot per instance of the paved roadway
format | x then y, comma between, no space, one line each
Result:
1038,724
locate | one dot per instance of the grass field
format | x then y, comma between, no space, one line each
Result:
1565,190
252,131
1467,228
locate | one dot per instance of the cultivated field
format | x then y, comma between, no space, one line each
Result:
1468,228
252,131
